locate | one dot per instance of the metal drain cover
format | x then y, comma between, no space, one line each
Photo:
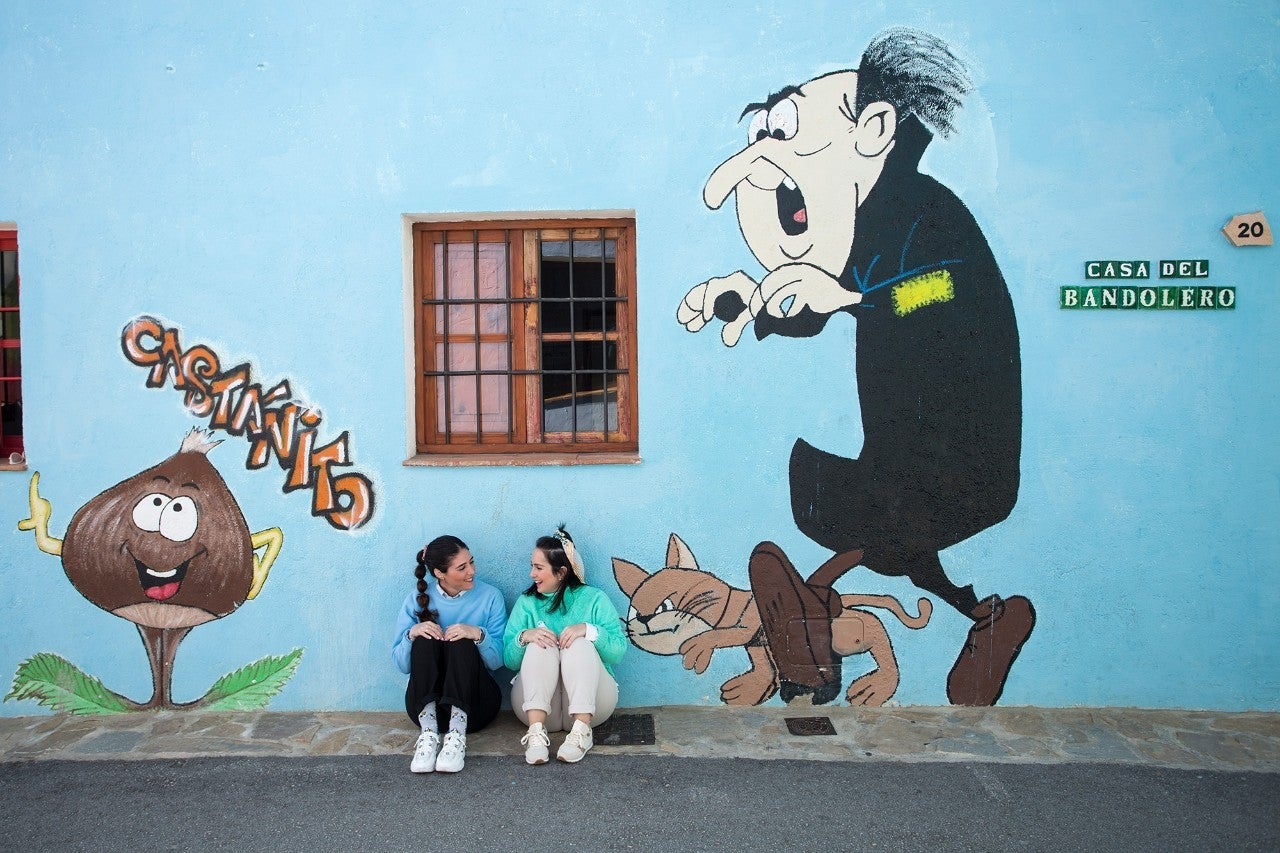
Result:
805,726
625,730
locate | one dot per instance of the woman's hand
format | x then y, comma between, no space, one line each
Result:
572,633
430,630
463,632
543,637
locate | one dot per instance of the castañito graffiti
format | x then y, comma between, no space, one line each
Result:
272,422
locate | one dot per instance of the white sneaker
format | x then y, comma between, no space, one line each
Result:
537,744
576,743
424,754
453,753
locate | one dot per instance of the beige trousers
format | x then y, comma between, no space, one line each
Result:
564,682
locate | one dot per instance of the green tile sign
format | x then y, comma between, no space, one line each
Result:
1185,298
1142,296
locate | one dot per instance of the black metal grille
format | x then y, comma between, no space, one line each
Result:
578,351
808,726
626,730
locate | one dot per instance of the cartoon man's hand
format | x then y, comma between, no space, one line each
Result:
791,288
728,298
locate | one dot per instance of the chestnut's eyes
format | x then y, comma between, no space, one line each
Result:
146,513
178,520
173,518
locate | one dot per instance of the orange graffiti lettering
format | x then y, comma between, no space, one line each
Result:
271,421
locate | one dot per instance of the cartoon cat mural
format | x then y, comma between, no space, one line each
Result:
682,610
831,202
166,549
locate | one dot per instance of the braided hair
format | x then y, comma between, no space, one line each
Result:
434,557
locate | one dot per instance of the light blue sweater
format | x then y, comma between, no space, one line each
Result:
481,606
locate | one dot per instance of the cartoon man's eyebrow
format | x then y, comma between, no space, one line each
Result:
161,477
772,100
195,486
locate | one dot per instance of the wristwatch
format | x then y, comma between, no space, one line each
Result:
481,640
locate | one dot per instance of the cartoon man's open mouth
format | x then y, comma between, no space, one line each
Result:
792,215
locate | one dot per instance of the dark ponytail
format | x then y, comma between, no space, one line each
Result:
435,557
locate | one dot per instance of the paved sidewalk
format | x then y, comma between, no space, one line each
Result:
1206,740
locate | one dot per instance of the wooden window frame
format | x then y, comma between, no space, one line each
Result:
11,446
524,440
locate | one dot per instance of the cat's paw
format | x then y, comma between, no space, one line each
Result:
750,688
873,689
697,652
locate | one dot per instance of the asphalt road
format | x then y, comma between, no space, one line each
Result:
643,803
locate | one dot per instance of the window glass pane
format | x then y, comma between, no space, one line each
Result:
493,415
464,266
11,408
593,275
9,323
12,361
493,271
556,381
493,319
462,357
587,277
581,392
462,321
595,316
462,404
495,403
553,285
493,356
8,279
490,264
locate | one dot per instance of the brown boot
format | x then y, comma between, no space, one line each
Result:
796,618
997,635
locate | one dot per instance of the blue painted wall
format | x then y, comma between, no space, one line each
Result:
243,174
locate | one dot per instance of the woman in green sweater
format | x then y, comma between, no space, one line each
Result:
563,638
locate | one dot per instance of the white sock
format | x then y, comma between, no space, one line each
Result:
458,721
427,719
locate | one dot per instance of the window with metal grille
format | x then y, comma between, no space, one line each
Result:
11,447
525,336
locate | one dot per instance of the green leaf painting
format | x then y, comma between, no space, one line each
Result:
57,683
252,686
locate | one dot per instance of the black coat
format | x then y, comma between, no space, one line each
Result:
939,379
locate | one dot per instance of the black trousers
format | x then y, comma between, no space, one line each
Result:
453,675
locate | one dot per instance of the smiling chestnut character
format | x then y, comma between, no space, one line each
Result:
167,549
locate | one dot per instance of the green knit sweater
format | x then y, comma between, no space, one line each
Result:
581,604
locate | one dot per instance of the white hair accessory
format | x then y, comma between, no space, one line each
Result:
572,553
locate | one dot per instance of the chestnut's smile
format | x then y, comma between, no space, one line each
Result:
162,584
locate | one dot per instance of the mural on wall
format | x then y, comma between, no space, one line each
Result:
270,419
831,202
682,610
167,549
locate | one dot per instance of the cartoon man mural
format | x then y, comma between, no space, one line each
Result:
831,202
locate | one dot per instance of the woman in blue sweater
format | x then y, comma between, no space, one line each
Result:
449,640
564,639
